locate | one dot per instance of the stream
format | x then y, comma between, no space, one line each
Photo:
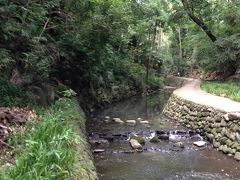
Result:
115,159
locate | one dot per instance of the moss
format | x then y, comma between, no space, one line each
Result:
84,167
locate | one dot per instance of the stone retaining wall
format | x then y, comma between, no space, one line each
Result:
177,81
221,128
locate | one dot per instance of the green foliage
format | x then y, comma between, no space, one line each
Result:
84,44
69,93
226,89
12,95
155,82
5,59
48,150
199,53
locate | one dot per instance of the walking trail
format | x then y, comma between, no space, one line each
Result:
191,91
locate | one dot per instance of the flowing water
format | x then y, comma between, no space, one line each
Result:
158,161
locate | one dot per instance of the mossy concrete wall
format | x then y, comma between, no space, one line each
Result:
84,167
221,128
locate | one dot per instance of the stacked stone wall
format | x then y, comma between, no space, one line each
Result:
221,128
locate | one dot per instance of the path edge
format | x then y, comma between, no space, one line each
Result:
221,128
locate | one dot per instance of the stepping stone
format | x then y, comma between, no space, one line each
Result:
131,121
107,117
144,122
118,120
199,143
98,150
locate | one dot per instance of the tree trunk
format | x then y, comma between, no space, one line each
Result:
198,21
180,43
151,50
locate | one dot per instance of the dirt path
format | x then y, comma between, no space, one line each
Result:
192,92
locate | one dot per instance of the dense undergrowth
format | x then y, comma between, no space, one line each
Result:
225,89
94,47
12,95
53,147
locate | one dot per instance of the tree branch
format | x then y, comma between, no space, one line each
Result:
198,21
44,28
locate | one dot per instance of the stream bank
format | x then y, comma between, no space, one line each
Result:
218,118
162,159
54,146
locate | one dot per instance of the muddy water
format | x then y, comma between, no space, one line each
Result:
158,161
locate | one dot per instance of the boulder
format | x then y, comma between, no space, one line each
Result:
135,144
141,140
118,120
199,143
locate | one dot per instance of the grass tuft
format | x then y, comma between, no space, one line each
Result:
227,89
53,148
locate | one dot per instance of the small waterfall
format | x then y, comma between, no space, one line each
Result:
178,135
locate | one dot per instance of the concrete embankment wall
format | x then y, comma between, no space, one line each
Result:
85,168
220,127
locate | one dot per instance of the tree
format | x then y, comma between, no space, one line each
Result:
190,11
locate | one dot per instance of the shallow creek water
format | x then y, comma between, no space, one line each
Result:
158,161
